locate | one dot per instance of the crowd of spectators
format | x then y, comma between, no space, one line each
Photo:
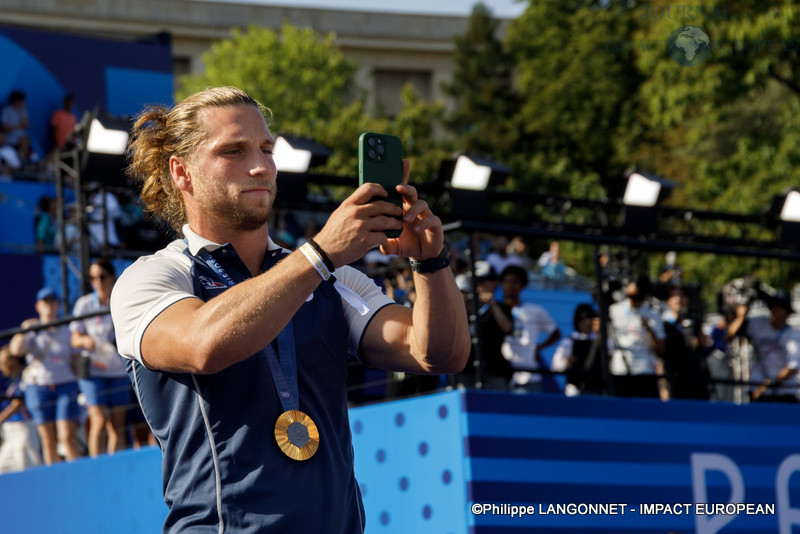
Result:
65,392
653,341
21,155
114,217
650,341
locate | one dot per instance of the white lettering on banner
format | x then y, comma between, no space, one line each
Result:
709,517
702,462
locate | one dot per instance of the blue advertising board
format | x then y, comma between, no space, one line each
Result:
483,462
551,464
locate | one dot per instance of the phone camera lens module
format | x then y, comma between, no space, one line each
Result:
371,153
381,149
371,141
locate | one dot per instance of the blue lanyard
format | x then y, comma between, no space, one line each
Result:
283,372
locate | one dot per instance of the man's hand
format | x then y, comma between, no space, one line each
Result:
760,390
83,341
741,310
663,385
422,236
358,225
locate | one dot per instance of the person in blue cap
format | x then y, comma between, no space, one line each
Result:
51,389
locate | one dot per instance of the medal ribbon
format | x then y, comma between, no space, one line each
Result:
283,372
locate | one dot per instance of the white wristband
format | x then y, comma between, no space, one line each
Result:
315,260
350,296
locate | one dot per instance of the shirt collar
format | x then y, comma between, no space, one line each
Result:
197,242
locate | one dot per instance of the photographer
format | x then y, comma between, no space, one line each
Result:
776,349
637,344
493,322
684,348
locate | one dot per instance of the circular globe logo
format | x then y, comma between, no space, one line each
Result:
688,46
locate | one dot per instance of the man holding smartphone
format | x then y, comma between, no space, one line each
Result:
237,349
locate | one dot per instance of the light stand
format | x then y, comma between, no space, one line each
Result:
71,170
293,157
99,155
643,193
785,210
468,178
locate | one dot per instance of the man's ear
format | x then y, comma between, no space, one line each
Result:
180,173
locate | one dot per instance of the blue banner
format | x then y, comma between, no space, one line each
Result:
551,464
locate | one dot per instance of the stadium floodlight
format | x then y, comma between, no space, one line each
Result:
467,178
474,173
643,193
105,137
790,211
645,190
470,175
103,141
785,212
298,154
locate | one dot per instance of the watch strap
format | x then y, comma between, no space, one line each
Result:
433,264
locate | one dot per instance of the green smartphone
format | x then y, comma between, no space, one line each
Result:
380,161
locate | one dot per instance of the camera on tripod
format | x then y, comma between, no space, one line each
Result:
742,292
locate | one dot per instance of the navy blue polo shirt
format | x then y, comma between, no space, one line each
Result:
222,469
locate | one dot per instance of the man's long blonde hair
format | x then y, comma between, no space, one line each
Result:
160,132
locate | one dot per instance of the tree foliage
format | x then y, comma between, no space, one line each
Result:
309,85
482,88
576,92
600,94
416,125
726,130
577,98
303,78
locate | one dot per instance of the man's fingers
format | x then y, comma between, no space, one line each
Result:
377,208
416,210
409,193
431,221
383,223
365,192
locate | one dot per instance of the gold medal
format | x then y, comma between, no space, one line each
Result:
297,435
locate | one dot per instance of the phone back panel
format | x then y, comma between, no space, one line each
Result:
380,160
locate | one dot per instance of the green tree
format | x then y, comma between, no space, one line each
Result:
727,130
578,94
303,77
729,122
574,116
482,89
309,85
416,125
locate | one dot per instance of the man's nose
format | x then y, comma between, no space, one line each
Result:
264,164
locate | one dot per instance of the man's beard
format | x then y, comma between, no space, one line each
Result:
230,211
252,219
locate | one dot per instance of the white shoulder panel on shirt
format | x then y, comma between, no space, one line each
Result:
144,290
